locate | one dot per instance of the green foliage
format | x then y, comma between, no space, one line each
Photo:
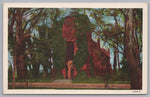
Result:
58,44
96,79
82,24
125,69
119,82
81,29
119,76
38,80
59,76
138,18
82,77
122,75
39,51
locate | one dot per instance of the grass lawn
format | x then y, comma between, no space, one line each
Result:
76,80
38,80
80,78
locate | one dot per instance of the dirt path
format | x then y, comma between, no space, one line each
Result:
72,85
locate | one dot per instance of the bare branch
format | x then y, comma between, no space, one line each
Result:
27,32
32,19
112,45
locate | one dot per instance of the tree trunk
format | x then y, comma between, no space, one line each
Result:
14,69
135,72
36,70
20,48
118,57
115,61
45,72
21,68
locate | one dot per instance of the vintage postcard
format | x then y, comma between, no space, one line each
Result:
75,48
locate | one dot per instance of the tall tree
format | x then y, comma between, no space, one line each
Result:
19,30
130,50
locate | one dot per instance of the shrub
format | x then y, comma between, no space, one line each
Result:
81,77
59,76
